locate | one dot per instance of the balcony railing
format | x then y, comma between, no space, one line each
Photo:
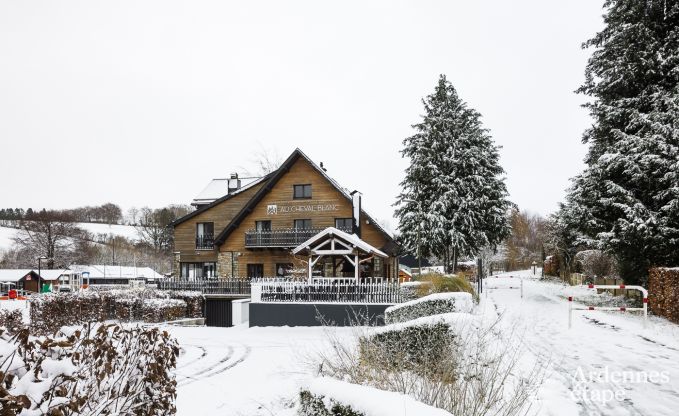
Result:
281,237
205,242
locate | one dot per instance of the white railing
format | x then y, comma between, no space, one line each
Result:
335,292
643,291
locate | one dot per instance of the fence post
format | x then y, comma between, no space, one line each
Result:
570,311
645,301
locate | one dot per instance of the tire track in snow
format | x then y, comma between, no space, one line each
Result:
226,363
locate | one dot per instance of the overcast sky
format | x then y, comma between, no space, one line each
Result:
143,102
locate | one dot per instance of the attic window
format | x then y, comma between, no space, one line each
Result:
302,191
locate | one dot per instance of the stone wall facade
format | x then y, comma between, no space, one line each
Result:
227,263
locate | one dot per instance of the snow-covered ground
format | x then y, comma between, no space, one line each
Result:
634,371
607,364
128,231
244,371
256,371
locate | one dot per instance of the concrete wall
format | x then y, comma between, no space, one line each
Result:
315,314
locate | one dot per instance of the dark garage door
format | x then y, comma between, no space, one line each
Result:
218,312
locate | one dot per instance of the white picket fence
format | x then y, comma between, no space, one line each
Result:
325,291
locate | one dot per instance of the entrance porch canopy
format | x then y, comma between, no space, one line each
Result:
334,242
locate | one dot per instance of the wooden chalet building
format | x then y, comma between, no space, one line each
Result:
260,229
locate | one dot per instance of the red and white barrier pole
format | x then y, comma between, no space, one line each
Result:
622,309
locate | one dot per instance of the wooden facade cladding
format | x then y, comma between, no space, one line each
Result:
220,214
272,200
325,205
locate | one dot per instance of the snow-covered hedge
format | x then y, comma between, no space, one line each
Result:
434,304
11,319
326,396
49,312
90,370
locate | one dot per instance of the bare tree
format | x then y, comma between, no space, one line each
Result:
154,225
50,234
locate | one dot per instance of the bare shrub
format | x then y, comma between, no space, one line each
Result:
473,373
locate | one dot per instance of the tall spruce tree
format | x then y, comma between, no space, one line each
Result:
627,199
454,199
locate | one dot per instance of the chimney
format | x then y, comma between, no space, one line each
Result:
356,209
234,183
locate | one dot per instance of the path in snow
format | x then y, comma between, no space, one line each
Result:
599,343
244,371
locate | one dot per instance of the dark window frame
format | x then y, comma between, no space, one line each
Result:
350,220
263,222
295,227
251,266
304,187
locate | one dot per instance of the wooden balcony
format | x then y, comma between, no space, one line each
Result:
280,237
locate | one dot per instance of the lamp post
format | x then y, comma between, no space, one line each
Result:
39,273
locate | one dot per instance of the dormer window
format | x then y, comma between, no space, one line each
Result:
302,191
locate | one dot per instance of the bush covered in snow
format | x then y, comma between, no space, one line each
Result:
410,348
91,370
316,405
325,396
451,361
11,319
49,312
434,304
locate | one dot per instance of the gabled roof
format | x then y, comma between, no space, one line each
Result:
352,239
14,275
269,185
219,200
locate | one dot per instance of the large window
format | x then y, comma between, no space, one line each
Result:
198,271
344,224
302,191
302,224
255,270
205,237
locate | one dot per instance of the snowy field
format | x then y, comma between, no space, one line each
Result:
256,371
127,231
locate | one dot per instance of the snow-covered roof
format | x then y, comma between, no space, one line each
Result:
349,238
103,271
14,275
218,188
54,274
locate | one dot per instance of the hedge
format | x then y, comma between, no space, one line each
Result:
663,292
49,312
415,348
435,304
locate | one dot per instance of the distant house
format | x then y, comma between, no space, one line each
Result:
30,280
102,274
